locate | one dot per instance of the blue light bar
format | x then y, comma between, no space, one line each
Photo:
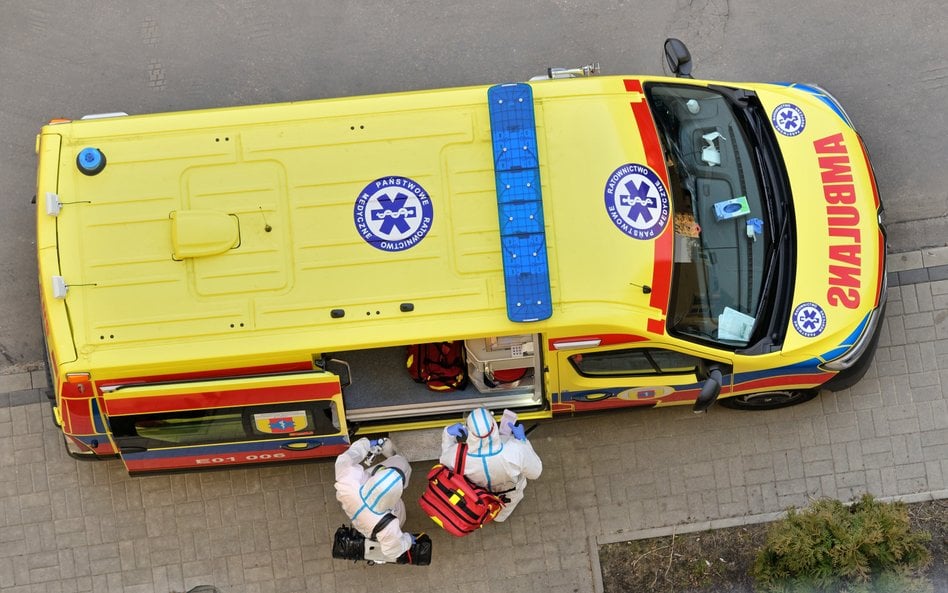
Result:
519,202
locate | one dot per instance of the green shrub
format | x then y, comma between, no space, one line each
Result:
833,548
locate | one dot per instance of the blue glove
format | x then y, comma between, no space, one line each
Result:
457,431
517,431
375,442
413,540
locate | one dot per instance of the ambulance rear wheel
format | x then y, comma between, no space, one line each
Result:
768,400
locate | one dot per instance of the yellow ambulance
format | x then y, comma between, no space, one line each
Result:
262,283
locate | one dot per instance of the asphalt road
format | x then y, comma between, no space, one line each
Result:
884,61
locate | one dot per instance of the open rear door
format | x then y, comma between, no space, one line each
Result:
227,421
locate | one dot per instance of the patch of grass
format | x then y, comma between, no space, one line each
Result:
718,560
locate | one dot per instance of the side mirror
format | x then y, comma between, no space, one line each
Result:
678,57
709,392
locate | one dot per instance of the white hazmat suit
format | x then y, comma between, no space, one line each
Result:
497,462
368,494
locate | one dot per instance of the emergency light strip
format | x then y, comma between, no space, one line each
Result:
519,202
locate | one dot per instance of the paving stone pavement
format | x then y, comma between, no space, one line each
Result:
68,526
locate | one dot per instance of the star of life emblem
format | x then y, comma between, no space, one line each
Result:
788,119
637,201
809,319
393,213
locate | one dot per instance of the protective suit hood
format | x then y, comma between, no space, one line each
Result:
483,435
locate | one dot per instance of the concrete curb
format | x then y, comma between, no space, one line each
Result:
917,267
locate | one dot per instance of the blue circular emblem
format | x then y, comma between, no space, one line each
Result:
809,319
637,202
788,119
393,213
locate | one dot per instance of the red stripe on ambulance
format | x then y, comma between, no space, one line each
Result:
231,373
655,159
220,399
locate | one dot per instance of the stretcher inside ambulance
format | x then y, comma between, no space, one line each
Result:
240,285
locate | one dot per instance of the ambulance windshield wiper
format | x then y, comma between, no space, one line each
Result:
779,214
780,239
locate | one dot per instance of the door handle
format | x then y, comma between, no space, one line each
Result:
132,449
302,445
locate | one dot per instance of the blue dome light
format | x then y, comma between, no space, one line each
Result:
90,161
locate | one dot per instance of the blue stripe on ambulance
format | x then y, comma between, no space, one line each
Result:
819,94
97,422
803,368
848,342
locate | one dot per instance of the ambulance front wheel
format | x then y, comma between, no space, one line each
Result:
768,400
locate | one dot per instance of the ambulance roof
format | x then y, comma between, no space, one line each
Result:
267,228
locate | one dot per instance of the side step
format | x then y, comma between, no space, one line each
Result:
418,445
519,202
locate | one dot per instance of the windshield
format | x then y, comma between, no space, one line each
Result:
723,230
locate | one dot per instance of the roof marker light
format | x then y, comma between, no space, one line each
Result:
104,115
78,377
576,344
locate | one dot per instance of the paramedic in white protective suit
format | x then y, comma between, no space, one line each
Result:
497,462
368,494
